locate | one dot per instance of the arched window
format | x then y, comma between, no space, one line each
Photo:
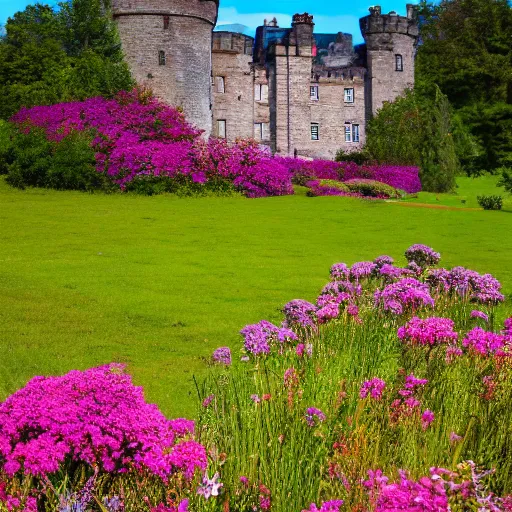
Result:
399,63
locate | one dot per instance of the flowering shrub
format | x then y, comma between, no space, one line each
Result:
422,255
136,141
406,294
260,338
97,417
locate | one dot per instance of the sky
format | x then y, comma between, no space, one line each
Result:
330,16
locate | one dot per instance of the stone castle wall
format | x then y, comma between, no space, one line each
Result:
182,29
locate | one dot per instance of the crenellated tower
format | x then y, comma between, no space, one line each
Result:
167,44
391,45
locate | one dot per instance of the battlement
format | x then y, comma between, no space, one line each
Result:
392,23
205,10
306,19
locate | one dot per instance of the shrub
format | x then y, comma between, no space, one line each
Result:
372,188
506,179
5,145
358,157
490,202
137,143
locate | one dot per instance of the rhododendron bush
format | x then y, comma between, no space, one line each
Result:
136,138
389,391
138,143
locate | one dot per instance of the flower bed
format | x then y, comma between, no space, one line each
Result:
137,140
389,392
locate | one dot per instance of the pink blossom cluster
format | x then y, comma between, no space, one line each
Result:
373,388
406,294
260,338
422,255
326,506
467,284
97,417
300,314
484,342
428,331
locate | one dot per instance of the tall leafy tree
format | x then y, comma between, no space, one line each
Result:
50,55
466,50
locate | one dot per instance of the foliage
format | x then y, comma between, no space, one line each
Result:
416,129
465,50
5,145
506,180
372,188
358,157
67,164
52,55
490,202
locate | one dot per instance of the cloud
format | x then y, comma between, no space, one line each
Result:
323,23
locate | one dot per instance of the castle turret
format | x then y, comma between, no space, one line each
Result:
391,43
167,44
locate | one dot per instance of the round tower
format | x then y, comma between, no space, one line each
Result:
391,47
167,44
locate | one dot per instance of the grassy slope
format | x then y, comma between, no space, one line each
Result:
159,282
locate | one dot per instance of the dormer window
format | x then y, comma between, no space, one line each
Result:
399,63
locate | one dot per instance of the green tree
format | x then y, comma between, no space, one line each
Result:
417,129
71,53
466,50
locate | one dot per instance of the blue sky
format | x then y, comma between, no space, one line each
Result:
330,15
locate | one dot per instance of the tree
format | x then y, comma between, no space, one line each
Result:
465,50
417,129
49,56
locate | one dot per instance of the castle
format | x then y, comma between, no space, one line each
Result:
296,91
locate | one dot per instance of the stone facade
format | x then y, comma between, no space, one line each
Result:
167,44
295,91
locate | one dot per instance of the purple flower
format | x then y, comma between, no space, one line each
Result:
327,506
373,388
362,269
381,261
222,355
352,310
427,418
339,272
508,326
210,487
429,331
300,313
422,255
244,480
256,399
328,312
452,353
405,294
314,416
261,337
479,314
411,382
208,400
483,342
454,438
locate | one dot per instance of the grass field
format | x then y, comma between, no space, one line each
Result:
159,282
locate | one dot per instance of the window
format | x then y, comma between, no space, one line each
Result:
161,58
315,134
349,95
221,128
399,62
166,22
262,131
355,133
313,92
220,84
261,92
348,132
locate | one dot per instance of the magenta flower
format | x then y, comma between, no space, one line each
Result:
210,487
208,400
483,342
479,314
427,418
222,356
373,388
327,506
339,272
429,331
314,416
422,255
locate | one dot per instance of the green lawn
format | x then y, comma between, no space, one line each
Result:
466,194
159,282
